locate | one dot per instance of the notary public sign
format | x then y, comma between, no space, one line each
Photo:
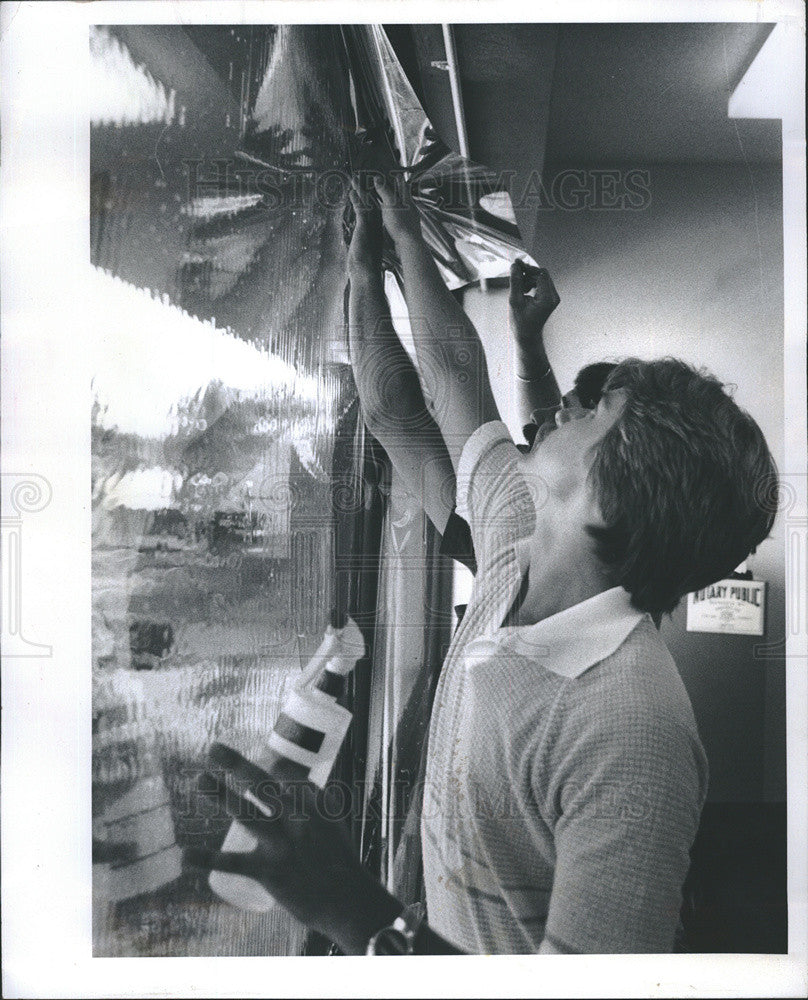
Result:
736,607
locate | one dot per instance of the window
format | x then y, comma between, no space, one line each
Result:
235,496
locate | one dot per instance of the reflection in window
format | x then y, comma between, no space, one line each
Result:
219,379
230,472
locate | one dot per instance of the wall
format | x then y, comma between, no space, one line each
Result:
698,274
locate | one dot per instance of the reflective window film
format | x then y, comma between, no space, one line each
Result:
226,437
219,379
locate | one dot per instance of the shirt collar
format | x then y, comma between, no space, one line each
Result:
573,640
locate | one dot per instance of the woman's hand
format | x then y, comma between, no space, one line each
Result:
401,218
304,857
365,251
529,313
381,176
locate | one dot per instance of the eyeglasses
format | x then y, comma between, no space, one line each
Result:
570,403
589,386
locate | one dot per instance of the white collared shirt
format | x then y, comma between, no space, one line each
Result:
565,776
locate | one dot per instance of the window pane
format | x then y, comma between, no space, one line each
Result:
220,377
224,414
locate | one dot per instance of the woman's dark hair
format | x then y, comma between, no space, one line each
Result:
589,383
685,481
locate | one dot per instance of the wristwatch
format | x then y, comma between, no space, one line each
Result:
399,937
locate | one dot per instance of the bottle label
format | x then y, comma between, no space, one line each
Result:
295,732
310,731
331,684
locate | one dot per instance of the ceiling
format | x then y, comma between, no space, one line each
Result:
655,93
595,93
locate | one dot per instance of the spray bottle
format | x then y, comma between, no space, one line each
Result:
309,732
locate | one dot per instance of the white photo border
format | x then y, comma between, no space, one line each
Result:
46,711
